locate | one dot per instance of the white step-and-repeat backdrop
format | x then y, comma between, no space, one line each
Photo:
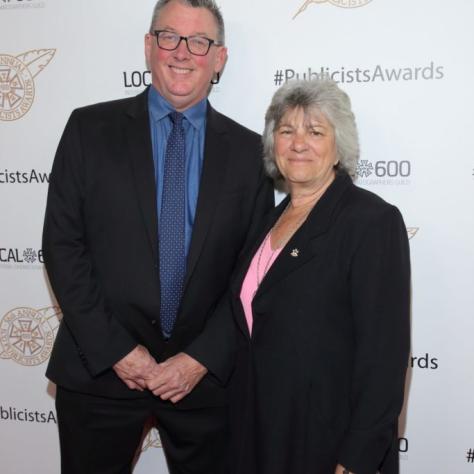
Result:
408,66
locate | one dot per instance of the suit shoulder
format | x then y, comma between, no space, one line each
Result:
110,108
235,128
366,206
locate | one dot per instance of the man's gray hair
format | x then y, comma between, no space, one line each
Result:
317,95
207,4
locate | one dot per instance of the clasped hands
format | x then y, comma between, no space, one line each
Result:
171,380
342,470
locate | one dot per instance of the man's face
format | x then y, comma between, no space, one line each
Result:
182,78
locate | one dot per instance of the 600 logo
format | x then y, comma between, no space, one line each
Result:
383,172
402,445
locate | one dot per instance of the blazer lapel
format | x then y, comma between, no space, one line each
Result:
299,249
141,160
215,163
253,245
244,262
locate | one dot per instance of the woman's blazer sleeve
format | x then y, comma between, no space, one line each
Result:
380,297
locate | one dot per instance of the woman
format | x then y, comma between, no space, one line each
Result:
322,303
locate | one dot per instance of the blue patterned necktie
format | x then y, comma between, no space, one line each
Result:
171,226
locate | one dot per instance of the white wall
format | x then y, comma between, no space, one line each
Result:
417,140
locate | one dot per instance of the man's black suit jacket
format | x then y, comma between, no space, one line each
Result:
100,243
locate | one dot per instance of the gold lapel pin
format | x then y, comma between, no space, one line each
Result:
294,252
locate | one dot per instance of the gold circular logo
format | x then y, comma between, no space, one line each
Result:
27,334
17,88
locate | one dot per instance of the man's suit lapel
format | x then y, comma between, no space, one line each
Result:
216,155
141,160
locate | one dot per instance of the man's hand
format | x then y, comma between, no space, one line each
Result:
174,378
342,470
135,368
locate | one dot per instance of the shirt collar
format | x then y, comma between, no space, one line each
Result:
160,108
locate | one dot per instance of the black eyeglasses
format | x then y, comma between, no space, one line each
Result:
197,45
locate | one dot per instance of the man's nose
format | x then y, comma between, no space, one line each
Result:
182,51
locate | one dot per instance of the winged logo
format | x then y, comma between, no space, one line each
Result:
152,440
337,3
411,231
17,87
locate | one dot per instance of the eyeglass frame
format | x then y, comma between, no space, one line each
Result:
185,38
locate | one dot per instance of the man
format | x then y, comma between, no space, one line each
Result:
149,204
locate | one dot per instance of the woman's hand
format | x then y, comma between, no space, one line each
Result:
342,470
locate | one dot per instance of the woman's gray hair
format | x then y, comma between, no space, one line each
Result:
207,4
317,95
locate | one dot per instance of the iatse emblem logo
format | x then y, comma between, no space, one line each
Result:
336,3
27,334
17,86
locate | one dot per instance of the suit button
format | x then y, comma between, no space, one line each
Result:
153,322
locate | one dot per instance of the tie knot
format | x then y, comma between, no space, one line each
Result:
176,118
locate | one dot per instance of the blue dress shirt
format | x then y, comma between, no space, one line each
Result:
194,125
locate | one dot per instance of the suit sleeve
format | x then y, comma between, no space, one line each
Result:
101,340
215,347
380,293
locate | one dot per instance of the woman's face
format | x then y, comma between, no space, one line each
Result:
305,149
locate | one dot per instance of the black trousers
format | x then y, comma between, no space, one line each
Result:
101,435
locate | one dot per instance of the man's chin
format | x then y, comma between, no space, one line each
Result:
184,98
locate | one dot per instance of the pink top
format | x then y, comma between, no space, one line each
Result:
261,263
